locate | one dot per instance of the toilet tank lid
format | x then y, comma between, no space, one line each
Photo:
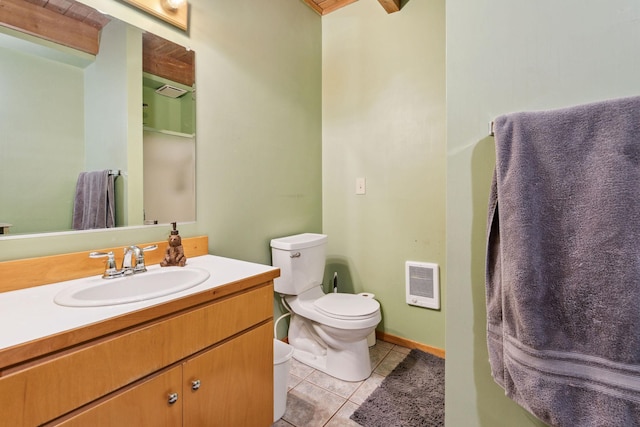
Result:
298,241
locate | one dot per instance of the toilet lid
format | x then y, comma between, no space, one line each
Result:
346,306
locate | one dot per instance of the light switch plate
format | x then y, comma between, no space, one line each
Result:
361,186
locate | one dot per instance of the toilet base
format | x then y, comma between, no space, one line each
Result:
344,371
348,361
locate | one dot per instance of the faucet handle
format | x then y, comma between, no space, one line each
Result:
140,267
111,271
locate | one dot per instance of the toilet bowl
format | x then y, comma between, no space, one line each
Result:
327,331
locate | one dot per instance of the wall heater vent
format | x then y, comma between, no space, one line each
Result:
423,284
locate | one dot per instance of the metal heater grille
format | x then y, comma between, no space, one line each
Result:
422,284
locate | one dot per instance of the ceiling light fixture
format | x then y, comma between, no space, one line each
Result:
175,12
172,5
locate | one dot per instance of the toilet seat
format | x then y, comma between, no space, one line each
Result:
346,306
336,309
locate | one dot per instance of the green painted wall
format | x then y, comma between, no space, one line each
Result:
65,119
503,56
276,85
111,140
383,81
258,123
161,112
33,89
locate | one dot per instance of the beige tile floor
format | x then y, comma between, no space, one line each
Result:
316,399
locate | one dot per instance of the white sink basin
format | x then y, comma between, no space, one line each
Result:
96,292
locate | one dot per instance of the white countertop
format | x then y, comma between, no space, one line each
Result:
30,314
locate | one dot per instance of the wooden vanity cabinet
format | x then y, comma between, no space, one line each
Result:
124,378
235,383
226,385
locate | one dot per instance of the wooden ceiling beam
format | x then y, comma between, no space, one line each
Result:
165,59
59,6
390,5
327,6
88,15
167,68
312,4
41,22
322,7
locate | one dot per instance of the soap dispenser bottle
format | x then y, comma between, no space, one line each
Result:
174,255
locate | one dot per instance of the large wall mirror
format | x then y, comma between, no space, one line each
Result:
127,107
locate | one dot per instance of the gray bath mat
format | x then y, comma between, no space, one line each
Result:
411,395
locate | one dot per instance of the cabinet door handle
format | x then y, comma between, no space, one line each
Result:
195,385
173,398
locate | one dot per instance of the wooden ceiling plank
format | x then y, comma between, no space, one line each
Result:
312,4
41,22
390,6
168,68
38,2
96,19
78,11
167,59
60,6
329,6
324,7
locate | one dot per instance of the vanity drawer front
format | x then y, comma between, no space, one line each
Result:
143,405
57,385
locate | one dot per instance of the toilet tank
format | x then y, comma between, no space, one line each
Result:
301,260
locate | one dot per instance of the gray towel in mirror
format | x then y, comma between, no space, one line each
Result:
94,204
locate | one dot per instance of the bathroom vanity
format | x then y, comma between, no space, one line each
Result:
202,356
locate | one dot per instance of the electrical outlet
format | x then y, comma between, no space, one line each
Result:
361,186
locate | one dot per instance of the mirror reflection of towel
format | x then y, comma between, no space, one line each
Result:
94,204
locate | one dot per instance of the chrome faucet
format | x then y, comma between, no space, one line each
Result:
135,254
128,260
132,262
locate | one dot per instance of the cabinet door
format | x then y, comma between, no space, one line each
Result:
145,404
235,382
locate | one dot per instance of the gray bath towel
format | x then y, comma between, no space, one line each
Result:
563,263
94,204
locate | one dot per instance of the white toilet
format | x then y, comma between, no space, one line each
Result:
327,331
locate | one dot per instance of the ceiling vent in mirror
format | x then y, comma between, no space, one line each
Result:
171,91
